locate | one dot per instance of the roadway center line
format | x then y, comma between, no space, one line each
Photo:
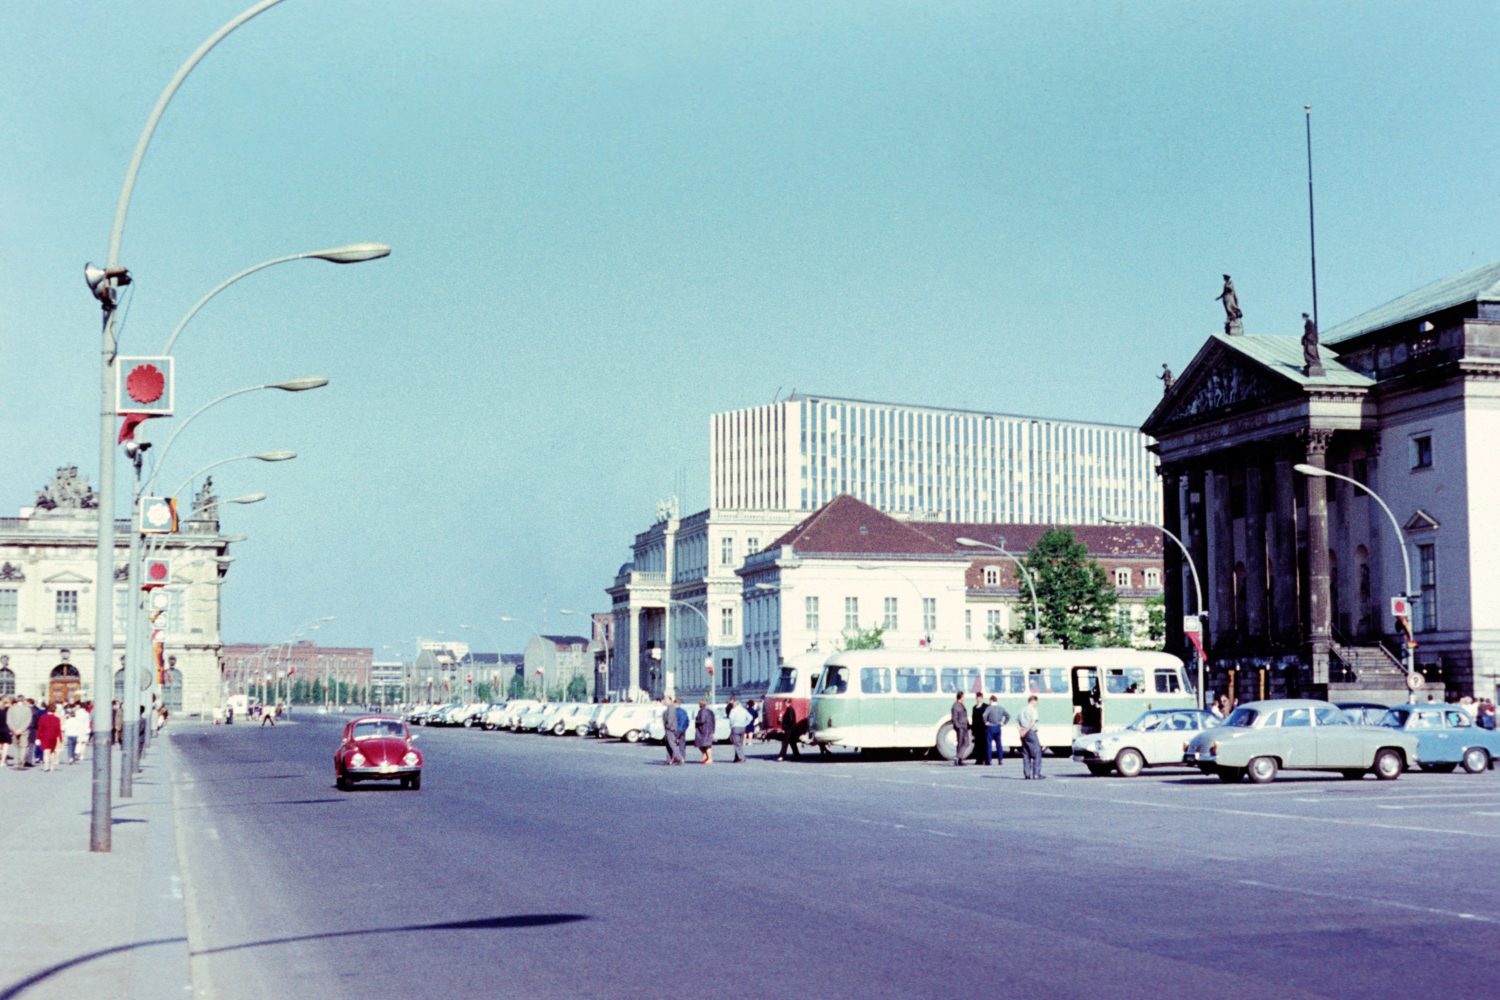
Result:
1390,903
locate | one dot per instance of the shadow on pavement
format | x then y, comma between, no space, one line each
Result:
518,920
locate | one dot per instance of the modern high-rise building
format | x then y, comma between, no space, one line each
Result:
925,462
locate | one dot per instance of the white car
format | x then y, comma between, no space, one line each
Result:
514,709
721,725
494,716
531,717
1159,737
569,718
630,722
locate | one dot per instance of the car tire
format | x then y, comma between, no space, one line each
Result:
634,736
468,723
1129,762
1476,760
559,729
416,783
1229,775
1388,764
1262,770
1097,769
341,783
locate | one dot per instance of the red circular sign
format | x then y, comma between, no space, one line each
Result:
156,570
145,383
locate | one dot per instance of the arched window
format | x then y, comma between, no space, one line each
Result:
7,681
171,691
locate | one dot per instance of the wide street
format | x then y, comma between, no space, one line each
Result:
540,866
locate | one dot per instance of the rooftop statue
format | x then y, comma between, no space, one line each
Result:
1232,313
67,491
1312,363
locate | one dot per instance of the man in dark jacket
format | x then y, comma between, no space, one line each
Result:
789,734
995,718
976,730
960,719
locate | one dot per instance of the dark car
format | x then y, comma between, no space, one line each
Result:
377,748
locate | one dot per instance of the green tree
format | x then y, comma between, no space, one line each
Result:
1077,600
1156,621
864,638
517,687
578,689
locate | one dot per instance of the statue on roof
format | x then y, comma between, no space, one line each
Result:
1232,313
67,491
205,504
1312,362
1166,379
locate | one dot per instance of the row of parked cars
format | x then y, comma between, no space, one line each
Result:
1260,739
628,721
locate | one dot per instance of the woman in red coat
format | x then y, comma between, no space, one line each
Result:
49,735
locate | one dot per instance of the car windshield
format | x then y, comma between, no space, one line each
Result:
1395,718
1242,717
378,730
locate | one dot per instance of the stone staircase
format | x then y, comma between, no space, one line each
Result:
1366,673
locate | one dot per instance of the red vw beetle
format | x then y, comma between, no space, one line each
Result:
377,747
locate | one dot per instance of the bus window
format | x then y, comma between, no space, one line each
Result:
786,681
994,680
835,680
1057,679
1129,680
874,680
959,678
1016,680
916,680
1167,682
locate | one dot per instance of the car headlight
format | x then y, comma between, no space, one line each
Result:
358,760
410,758
1097,746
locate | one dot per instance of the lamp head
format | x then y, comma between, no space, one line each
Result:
275,456
302,384
354,253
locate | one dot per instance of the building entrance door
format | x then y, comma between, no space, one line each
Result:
63,685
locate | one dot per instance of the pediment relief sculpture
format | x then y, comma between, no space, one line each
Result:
1224,386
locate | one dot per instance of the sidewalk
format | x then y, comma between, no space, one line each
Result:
80,924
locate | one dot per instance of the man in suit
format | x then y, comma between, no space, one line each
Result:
960,717
1031,741
790,734
976,730
668,724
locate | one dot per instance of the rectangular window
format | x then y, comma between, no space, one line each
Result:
992,625
726,550
874,680
66,611
851,614
752,546
890,615
726,622
968,625
1427,559
1153,578
8,610
955,679
916,680
122,610
929,615
1421,451
176,608
1124,623
726,672
1122,579
810,611
1167,682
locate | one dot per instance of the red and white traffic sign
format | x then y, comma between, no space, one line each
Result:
1400,607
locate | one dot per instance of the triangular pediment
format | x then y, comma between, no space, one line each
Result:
66,576
1422,521
1217,382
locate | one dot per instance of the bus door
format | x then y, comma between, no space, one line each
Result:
1086,705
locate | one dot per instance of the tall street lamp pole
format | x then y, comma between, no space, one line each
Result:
708,644
1197,589
1036,608
104,289
1409,656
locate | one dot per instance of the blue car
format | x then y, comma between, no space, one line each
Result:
1446,737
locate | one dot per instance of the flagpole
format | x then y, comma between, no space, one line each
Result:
1312,237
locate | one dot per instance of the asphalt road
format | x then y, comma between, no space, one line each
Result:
547,867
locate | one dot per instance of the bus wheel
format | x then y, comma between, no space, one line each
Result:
1129,762
947,741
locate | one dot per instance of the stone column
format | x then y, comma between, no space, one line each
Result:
633,643
1255,625
1379,537
1285,628
1319,635
1177,591
1220,544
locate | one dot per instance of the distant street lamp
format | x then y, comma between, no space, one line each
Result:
1197,590
1036,608
600,683
1409,656
708,645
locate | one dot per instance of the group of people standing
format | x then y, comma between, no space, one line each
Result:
39,736
989,720
674,723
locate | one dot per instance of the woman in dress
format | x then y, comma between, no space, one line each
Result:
49,736
703,733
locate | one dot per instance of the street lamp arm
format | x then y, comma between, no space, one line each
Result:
1314,471
1036,608
264,456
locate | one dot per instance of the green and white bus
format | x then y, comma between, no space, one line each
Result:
886,698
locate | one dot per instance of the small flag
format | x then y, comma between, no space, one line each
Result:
130,423
1196,638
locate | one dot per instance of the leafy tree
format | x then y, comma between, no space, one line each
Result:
482,691
864,638
1077,600
578,689
1156,621
517,687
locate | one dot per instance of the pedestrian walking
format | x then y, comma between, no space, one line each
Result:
668,729
18,717
680,714
49,736
789,734
740,720
976,730
995,718
117,725
1031,741
5,704
71,733
34,749
703,732
960,718
754,717
267,717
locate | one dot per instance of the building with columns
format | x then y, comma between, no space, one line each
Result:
1298,571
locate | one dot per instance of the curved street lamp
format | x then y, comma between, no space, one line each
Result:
1197,587
1036,608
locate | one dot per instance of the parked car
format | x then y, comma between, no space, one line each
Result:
1364,713
656,731
1446,737
494,716
568,718
1158,737
377,748
514,709
1261,738
629,722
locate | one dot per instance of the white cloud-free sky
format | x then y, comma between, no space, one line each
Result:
611,220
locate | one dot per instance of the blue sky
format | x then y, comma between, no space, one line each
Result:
611,220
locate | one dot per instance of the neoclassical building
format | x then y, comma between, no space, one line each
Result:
48,594
1298,571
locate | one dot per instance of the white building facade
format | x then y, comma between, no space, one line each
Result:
930,463
48,595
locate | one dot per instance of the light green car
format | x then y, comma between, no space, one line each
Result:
1261,738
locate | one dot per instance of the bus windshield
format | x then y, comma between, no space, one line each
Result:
786,681
835,680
